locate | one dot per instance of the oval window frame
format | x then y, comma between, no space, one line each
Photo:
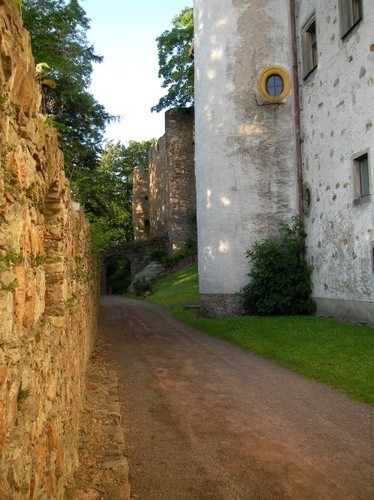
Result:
262,80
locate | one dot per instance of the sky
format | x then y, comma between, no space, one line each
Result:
124,32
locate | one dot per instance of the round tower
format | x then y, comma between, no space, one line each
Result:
244,138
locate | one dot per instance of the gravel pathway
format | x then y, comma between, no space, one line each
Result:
206,420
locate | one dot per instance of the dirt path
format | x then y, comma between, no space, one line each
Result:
206,420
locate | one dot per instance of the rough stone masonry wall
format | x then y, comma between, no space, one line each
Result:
172,191
140,203
158,187
181,216
47,287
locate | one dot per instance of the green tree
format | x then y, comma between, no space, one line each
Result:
106,192
175,64
58,30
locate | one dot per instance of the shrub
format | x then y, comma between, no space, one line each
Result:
172,259
158,254
142,286
280,277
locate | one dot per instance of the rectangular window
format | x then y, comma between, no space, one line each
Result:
361,176
309,46
350,15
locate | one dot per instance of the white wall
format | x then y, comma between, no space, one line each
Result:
245,150
337,122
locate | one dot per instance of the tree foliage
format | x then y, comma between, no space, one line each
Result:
58,30
106,192
175,65
280,276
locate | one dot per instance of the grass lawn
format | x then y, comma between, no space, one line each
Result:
340,354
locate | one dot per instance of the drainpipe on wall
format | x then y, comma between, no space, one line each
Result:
295,84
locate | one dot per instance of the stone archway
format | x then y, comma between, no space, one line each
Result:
118,274
139,255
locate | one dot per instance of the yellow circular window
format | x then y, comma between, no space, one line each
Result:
274,84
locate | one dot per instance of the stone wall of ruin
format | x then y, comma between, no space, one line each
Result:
181,219
158,187
140,203
172,191
47,286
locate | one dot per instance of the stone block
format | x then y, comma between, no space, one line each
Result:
6,315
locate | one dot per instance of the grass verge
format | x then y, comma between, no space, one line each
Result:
338,353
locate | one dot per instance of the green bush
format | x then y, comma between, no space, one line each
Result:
158,254
280,276
142,286
172,259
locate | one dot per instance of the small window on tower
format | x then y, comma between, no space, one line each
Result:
274,85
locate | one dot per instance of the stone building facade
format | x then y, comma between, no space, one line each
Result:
284,103
164,196
48,303
337,114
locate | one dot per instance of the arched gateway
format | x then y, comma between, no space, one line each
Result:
138,253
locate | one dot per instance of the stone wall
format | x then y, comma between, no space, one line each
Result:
172,191
47,287
181,217
140,254
140,203
158,187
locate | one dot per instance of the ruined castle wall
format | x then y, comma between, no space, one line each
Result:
47,287
158,188
337,102
140,203
181,209
172,191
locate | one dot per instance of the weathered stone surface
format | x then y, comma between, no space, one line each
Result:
47,308
260,162
140,203
336,128
165,195
149,273
181,209
219,305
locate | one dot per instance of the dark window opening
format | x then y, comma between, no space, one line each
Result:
307,200
147,226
